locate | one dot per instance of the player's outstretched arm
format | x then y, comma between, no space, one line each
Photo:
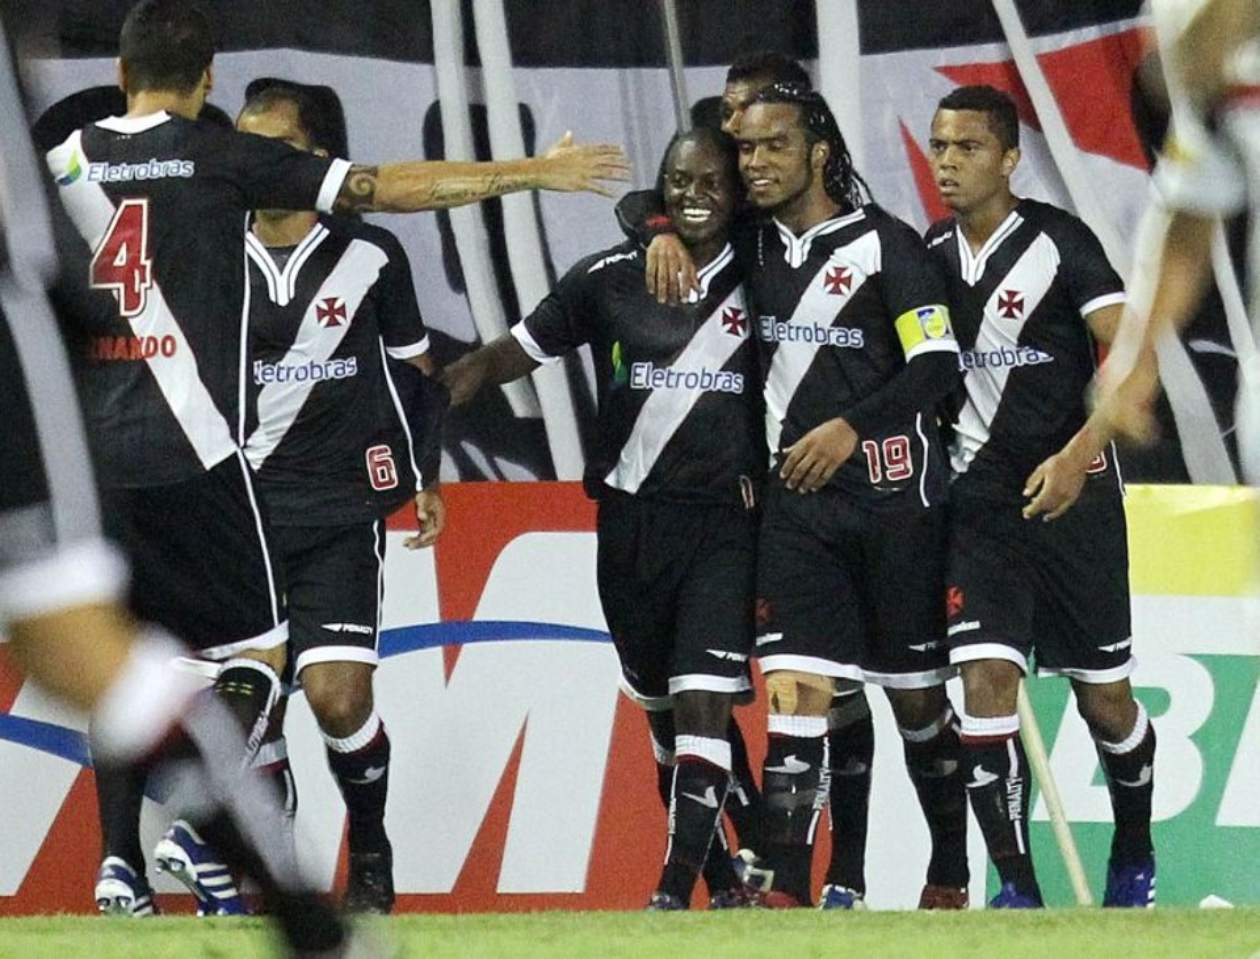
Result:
435,185
495,363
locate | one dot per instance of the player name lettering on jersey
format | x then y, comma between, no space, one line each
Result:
773,330
113,348
649,376
315,371
1002,357
153,169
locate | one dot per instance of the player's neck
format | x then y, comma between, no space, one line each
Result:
283,227
807,211
145,102
706,251
982,222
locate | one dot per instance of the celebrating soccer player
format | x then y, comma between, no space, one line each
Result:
1038,554
160,201
331,307
677,477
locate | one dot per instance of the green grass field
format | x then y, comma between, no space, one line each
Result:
1059,934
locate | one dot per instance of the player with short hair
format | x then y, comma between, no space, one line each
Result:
343,427
161,202
677,473
62,585
1038,553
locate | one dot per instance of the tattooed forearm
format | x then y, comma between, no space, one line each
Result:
358,192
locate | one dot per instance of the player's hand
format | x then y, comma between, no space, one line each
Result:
431,515
1124,400
462,380
813,459
1054,486
570,167
671,272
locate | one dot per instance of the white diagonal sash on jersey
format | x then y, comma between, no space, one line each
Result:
279,403
1032,276
791,361
177,375
664,411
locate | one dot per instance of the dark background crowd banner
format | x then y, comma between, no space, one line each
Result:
601,68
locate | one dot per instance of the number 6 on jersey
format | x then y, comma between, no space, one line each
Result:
121,263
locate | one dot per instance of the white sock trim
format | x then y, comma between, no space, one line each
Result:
715,751
804,727
1133,740
931,730
144,701
663,756
356,740
987,727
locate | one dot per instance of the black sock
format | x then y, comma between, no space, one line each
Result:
719,871
933,760
794,786
997,784
360,764
743,804
119,795
1129,768
249,689
701,779
851,741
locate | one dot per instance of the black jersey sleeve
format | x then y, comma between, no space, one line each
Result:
915,292
270,174
401,326
564,320
1087,273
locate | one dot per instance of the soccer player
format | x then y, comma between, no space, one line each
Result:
1207,171
1038,557
62,585
332,308
677,473
161,202
851,733
856,351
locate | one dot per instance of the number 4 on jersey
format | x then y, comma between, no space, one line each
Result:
121,263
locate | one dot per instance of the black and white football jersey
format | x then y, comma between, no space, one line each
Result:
1019,306
679,406
326,429
840,311
161,203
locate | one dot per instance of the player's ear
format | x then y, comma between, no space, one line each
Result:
208,78
1010,160
122,74
819,154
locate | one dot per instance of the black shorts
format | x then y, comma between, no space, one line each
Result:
203,564
852,592
336,582
676,585
1056,591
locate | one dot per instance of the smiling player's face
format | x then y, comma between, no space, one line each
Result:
699,191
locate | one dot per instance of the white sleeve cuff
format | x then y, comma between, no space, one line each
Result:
1101,302
530,345
78,574
333,180
933,346
419,348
